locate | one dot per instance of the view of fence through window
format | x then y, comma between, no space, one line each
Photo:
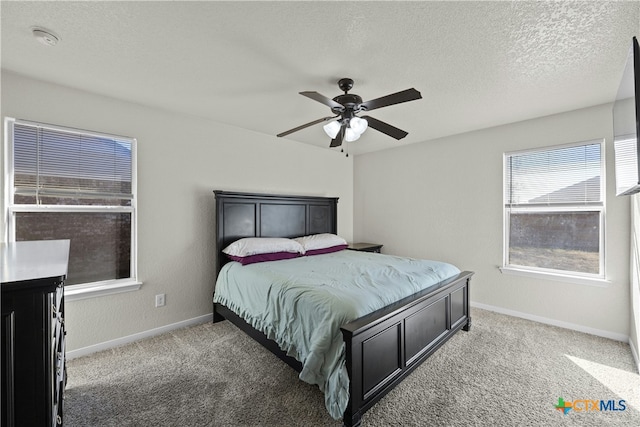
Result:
554,208
78,186
100,242
559,241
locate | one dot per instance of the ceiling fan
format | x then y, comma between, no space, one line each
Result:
349,126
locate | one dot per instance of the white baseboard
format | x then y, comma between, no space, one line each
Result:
72,354
634,352
553,322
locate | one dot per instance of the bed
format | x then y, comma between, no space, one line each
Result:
380,348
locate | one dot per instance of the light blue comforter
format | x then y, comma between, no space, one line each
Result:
301,304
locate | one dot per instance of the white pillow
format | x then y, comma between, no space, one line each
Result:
262,245
320,241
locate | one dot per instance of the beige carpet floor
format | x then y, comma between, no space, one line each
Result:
505,372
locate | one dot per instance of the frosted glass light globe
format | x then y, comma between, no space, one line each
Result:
359,125
332,129
351,135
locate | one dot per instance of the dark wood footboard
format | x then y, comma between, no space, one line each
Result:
384,347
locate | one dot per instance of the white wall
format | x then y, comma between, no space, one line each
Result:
181,160
634,294
442,199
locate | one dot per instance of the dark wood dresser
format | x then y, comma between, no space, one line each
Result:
33,350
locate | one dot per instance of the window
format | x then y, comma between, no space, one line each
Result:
554,210
71,184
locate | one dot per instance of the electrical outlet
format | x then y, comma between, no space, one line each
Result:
160,300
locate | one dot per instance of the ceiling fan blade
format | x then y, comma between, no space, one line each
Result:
394,98
306,125
324,100
386,128
337,141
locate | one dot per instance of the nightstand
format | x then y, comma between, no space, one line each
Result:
365,247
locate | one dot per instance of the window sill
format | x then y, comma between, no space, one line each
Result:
99,289
591,281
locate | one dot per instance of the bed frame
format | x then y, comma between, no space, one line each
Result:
383,347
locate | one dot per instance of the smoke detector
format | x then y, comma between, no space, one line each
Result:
46,37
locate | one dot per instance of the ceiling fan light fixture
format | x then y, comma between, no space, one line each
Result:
348,127
358,124
332,129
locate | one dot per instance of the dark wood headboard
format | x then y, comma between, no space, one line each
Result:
241,215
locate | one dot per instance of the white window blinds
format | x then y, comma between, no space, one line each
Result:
566,175
60,162
626,160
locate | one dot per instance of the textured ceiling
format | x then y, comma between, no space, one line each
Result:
477,64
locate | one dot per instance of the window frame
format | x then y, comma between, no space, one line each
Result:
577,277
82,290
